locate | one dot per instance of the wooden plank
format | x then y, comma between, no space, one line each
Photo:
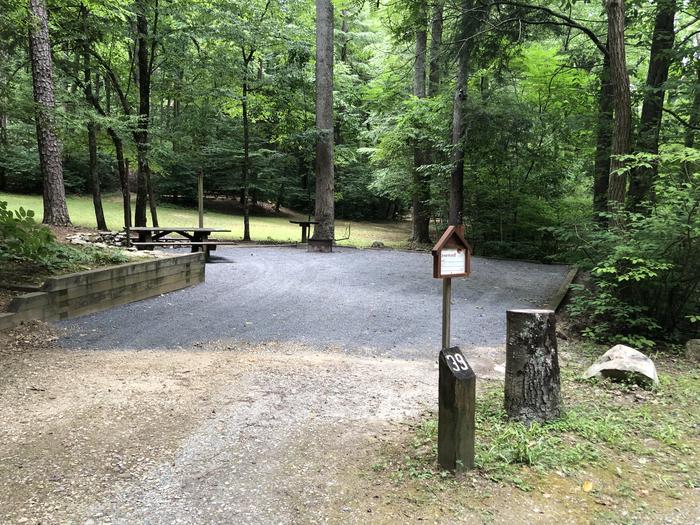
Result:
117,282
134,296
28,301
558,297
101,274
91,293
105,299
174,229
85,298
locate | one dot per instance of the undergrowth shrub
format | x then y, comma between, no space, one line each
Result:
644,267
26,244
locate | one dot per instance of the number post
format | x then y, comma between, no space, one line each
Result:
457,399
457,383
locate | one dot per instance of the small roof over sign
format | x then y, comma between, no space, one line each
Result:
452,238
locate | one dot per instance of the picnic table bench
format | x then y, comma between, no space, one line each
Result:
195,238
305,227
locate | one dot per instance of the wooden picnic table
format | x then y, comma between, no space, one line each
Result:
305,227
196,238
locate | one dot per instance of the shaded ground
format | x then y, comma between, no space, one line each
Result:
261,434
291,388
366,302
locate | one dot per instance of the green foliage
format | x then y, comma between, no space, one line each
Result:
645,279
32,247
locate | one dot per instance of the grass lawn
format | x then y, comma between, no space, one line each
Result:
619,454
262,228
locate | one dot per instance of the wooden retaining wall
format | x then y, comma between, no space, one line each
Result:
96,290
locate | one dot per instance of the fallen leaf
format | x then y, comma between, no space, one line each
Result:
587,486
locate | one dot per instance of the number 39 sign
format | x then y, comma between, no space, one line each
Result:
457,399
456,362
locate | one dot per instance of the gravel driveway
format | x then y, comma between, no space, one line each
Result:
366,302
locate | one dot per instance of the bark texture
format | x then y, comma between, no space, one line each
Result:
3,143
420,192
603,142
55,210
247,57
436,24
694,120
325,186
90,96
123,175
344,28
532,386
469,23
141,134
642,179
617,188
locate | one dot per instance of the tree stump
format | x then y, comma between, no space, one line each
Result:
532,388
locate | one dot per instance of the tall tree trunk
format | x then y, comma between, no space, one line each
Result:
90,96
141,134
344,28
603,143
55,209
95,177
246,147
325,184
3,144
468,26
694,120
123,176
420,188
622,128
436,24
151,198
642,179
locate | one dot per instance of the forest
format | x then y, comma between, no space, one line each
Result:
553,130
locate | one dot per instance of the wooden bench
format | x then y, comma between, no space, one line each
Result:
195,238
206,246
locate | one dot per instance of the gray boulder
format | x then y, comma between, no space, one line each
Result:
623,362
692,350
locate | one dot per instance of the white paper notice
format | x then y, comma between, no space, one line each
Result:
452,262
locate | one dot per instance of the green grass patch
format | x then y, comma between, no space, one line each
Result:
263,228
605,425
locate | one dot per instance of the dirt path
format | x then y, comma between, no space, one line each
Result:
232,433
193,436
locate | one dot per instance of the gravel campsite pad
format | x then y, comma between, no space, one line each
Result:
264,396
377,302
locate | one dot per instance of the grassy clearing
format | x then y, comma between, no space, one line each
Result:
263,228
620,454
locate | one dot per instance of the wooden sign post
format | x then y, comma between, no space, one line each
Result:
200,197
451,258
457,399
457,383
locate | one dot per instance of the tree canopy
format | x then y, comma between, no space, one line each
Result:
551,130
